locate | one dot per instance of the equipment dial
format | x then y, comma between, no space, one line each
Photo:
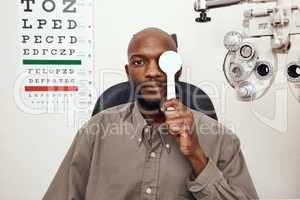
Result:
232,40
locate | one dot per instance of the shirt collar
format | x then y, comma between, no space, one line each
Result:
139,123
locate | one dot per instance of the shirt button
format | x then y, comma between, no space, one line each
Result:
147,129
148,190
152,155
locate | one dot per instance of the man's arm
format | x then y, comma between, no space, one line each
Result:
226,180
72,176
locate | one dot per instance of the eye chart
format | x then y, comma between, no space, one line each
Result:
55,40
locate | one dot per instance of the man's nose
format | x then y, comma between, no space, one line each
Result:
153,70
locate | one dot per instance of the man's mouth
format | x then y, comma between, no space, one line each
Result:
152,84
152,87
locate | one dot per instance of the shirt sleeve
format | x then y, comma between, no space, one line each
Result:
71,178
227,179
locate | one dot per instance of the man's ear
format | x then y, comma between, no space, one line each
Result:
178,74
126,69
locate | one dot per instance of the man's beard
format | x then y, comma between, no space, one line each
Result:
149,105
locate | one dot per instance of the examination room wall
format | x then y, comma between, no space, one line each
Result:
33,146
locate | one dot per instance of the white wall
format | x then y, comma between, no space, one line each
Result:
32,146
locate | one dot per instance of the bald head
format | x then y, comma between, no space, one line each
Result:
151,38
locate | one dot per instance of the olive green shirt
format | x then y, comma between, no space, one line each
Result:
117,156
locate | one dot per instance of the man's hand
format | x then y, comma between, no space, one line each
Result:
180,123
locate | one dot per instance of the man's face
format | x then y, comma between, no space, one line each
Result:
143,69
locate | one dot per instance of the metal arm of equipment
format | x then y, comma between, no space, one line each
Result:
203,5
280,21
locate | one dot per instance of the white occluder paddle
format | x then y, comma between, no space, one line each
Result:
170,63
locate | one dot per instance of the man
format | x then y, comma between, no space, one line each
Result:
141,151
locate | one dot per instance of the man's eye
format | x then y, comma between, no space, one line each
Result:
137,62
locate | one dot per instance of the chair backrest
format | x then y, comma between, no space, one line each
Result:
190,95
